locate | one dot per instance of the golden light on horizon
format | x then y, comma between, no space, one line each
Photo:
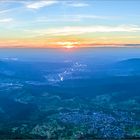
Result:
69,47
68,44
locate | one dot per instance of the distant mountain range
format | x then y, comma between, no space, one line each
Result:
125,67
33,70
133,63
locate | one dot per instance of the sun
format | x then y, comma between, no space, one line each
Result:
68,46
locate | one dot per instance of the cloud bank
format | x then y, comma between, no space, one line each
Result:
84,30
40,4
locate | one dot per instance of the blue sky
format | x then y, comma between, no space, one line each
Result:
69,21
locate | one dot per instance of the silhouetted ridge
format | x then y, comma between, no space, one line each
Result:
129,63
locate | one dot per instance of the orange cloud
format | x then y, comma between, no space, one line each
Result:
68,41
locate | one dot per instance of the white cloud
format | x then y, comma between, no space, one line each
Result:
58,19
40,4
75,3
78,4
90,17
70,18
6,20
67,43
83,30
9,10
4,11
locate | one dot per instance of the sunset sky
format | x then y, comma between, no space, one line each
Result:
64,23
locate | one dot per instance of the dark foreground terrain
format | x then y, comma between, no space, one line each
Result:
75,96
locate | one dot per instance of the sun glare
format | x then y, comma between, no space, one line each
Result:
69,47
